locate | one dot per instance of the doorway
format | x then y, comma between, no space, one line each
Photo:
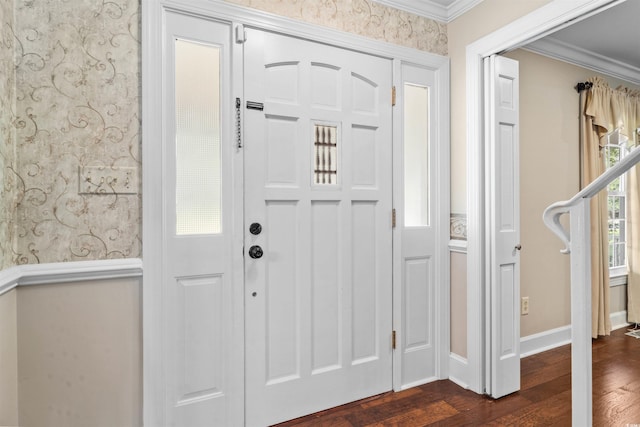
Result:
522,31
203,363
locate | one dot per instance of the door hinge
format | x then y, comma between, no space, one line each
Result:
393,96
393,218
393,340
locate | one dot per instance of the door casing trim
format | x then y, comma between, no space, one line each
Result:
153,196
551,17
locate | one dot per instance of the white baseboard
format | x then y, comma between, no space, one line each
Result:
619,320
547,340
458,370
543,341
529,345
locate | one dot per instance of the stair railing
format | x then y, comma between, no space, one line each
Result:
578,243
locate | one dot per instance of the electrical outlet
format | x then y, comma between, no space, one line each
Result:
524,305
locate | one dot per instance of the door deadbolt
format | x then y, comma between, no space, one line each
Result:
255,252
255,228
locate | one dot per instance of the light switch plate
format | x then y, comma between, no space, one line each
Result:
108,180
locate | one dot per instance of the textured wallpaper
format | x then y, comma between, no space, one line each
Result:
77,104
362,17
7,135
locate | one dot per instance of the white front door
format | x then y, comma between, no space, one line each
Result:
503,214
318,229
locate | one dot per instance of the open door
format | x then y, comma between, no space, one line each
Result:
503,225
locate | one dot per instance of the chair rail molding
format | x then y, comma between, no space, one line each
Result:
66,272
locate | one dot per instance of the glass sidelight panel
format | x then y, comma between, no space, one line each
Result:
197,138
416,155
325,154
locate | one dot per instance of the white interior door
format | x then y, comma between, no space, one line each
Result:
202,382
318,181
503,216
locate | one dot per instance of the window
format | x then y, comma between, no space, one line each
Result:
198,187
416,155
325,154
614,150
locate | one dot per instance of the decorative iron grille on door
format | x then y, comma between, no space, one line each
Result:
326,154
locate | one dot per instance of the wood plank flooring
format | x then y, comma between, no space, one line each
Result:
544,398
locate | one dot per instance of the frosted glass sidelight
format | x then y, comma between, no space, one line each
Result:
197,138
416,155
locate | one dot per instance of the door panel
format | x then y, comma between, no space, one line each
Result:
327,298
318,179
416,235
504,224
200,387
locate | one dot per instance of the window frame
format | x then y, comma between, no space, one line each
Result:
617,274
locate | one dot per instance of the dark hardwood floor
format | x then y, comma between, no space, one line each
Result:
544,398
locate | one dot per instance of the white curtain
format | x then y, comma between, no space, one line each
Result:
606,110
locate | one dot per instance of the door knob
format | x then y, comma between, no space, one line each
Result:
255,252
518,247
255,228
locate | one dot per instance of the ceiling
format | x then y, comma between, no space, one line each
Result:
607,42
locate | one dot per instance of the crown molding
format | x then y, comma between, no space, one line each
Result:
460,7
431,9
557,49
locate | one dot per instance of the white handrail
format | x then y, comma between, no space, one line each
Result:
578,243
552,214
